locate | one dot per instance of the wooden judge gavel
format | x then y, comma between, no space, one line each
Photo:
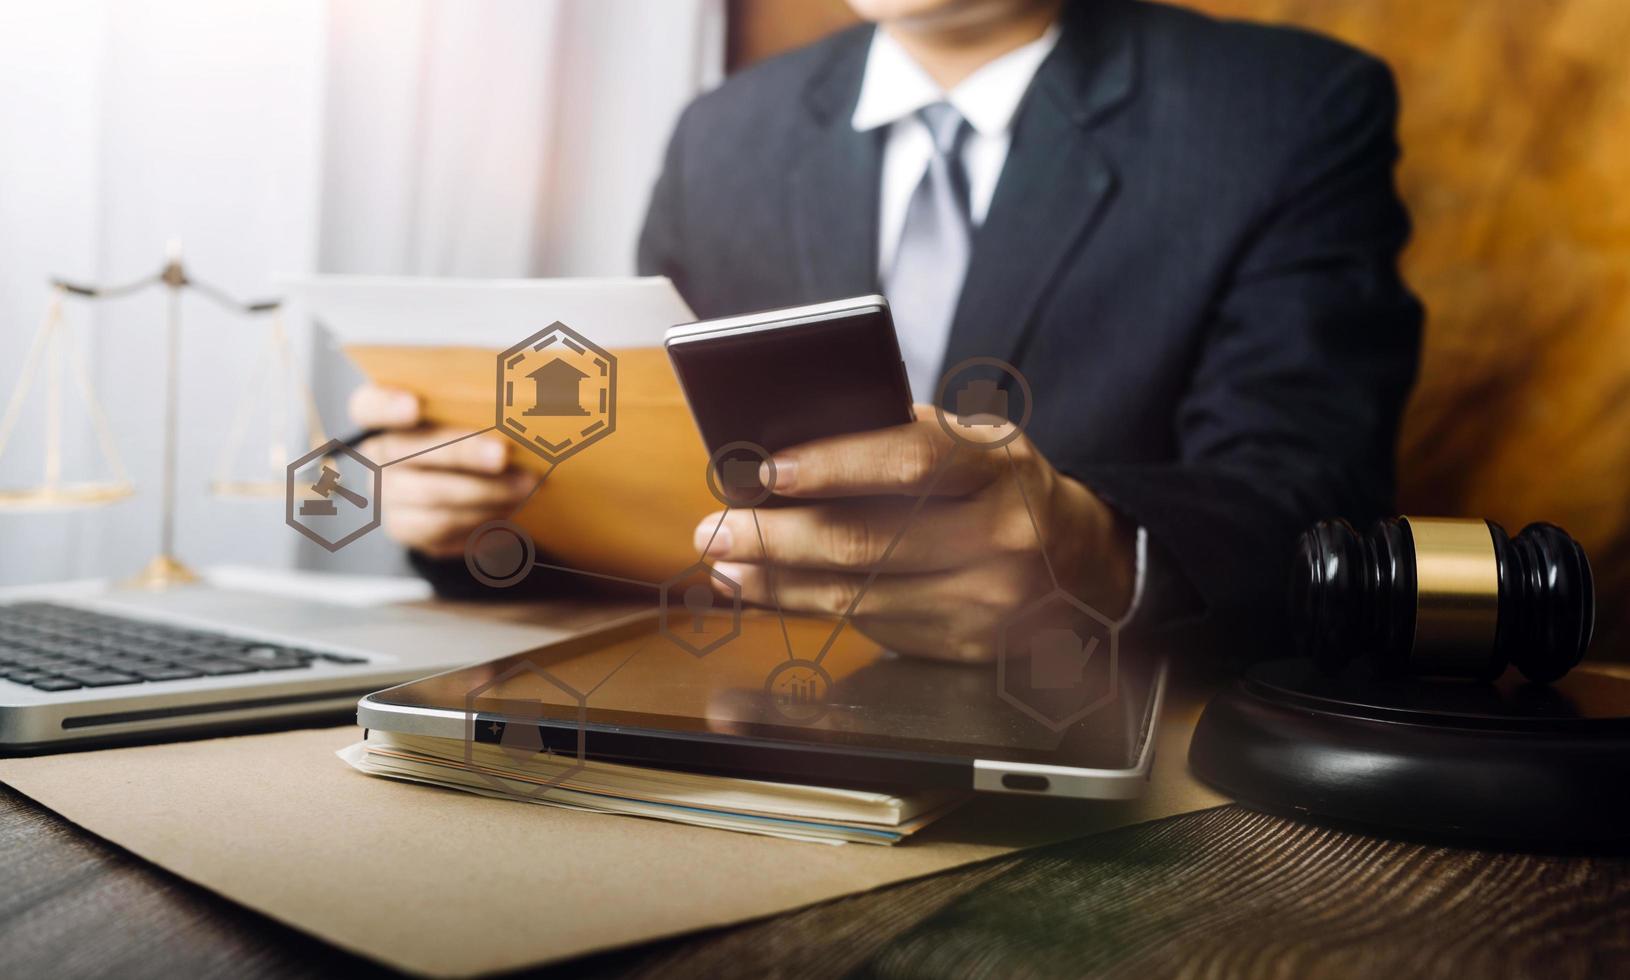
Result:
1443,597
329,482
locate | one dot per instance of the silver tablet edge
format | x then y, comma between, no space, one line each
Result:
989,775
993,776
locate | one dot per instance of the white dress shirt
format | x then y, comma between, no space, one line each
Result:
891,92
895,87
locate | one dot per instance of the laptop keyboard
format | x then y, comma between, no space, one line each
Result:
53,647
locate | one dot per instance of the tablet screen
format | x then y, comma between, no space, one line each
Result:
1054,702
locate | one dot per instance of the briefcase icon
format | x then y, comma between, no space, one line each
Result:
1058,658
740,474
981,402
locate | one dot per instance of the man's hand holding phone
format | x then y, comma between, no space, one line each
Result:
969,559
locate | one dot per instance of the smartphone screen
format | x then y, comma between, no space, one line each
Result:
789,376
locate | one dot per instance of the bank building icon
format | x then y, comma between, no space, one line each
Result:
558,390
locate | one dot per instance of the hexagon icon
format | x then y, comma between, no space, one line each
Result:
1043,655
328,509
690,611
518,735
557,392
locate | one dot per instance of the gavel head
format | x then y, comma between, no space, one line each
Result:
1443,597
327,482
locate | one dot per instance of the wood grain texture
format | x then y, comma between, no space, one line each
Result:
1231,892
1516,169
1220,893
75,906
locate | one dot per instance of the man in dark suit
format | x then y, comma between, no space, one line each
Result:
1182,232
1190,254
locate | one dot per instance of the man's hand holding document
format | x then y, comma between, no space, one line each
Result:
429,347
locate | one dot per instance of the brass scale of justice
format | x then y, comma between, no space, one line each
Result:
274,383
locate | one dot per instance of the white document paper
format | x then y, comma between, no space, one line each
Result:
619,313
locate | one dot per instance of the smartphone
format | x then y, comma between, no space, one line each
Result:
783,377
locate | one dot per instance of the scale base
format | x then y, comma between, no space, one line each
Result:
163,572
1507,762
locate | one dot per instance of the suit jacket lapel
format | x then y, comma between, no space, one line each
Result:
834,184
1053,185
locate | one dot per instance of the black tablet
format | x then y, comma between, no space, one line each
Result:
1051,715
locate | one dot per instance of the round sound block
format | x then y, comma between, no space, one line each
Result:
1506,761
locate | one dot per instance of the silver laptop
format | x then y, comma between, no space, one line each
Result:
142,665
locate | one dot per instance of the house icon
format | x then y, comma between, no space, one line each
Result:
557,391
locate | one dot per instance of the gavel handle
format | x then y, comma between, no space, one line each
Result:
356,499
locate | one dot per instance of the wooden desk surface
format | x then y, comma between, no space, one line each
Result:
1223,892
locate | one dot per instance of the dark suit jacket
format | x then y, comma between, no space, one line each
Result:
1191,255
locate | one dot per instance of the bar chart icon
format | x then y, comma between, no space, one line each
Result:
799,691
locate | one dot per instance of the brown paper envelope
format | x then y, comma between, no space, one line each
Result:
441,882
625,505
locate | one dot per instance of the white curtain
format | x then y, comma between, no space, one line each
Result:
279,137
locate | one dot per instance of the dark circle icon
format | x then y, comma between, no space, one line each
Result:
499,554
799,691
732,474
1443,597
982,403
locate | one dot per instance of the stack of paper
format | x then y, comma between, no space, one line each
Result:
807,813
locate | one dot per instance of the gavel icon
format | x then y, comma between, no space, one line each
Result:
328,484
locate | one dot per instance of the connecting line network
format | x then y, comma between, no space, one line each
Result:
569,404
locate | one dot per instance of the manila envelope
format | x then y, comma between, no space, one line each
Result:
627,504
